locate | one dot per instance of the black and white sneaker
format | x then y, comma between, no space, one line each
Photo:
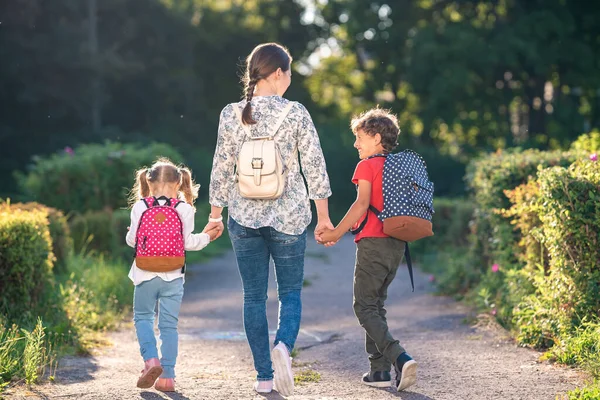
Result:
380,379
406,371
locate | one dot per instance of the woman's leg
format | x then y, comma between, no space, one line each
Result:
144,301
288,254
169,302
253,263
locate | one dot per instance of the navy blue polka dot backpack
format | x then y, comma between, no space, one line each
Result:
407,200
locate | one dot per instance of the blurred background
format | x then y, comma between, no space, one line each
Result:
464,76
501,97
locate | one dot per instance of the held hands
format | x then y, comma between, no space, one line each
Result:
325,233
214,230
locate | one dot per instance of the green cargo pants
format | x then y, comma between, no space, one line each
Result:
377,260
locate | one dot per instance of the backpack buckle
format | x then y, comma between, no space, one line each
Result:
257,163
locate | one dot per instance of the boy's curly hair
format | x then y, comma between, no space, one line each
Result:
378,120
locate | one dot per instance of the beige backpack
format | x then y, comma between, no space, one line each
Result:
261,173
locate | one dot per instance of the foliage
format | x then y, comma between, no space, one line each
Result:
90,177
466,75
34,353
587,142
62,243
102,232
488,177
25,259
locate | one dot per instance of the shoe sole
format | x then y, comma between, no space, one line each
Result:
148,380
381,384
284,378
409,375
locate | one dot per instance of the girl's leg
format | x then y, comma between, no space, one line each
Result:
288,255
253,263
169,300
144,300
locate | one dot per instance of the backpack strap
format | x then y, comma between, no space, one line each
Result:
239,117
282,116
165,198
409,264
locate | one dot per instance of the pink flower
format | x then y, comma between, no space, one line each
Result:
493,311
431,278
495,268
594,157
69,151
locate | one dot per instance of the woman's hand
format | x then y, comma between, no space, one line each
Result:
329,237
214,229
322,226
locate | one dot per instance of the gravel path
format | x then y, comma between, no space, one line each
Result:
456,360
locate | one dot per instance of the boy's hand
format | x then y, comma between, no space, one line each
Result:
328,237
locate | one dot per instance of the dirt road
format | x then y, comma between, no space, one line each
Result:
456,360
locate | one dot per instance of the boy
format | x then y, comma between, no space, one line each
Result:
378,255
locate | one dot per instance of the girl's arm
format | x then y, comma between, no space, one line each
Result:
133,225
357,210
193,241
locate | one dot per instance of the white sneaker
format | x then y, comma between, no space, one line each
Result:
282,363
263,386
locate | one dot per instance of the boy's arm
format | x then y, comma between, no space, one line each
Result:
357,210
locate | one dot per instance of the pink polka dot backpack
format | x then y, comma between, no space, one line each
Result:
159,243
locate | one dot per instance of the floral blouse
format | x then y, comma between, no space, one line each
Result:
291,212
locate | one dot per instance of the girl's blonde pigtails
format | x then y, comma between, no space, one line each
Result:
188,187
141,188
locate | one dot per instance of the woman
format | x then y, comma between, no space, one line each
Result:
276,228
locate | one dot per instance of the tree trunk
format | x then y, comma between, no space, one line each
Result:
96,103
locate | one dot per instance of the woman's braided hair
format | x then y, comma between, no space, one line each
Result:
262,62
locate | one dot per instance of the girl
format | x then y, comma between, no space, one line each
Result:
167,192
273,228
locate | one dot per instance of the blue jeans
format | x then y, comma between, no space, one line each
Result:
253,250
168,295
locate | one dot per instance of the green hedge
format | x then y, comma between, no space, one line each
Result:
102,232
451,225
62,243
25,259
558,217
488,178
92,177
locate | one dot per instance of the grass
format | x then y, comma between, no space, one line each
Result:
307,376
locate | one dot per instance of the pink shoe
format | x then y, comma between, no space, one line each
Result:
165,384
263,386
150,373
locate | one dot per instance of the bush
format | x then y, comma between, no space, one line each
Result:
62,243
570,215
488,178
102,232
589,142
25,259
450,226
92,177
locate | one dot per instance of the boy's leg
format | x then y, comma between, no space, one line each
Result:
169,303
253,257
377,260
145,296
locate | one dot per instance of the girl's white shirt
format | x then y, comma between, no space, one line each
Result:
193,241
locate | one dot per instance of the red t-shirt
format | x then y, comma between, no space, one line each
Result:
371,170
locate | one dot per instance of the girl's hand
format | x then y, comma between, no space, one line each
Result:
214,233
218,228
